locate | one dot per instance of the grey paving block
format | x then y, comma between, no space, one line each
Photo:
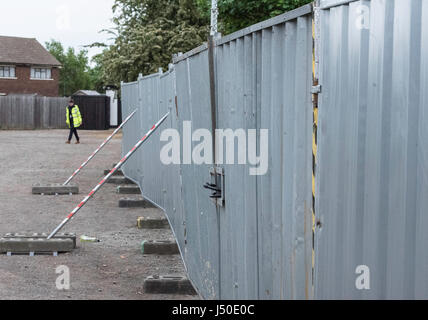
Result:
38,244
120,180
129,189
165,247
135,203
71,236
55,188
117,173
152,223
168,285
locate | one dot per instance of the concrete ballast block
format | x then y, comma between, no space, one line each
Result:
166,247
55,188
152,223
128,189
71,236
168,285
26,244
120,180
135,203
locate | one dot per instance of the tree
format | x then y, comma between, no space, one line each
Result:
235,15
147,34
95,75
75,73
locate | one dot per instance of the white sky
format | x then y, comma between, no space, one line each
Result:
74,23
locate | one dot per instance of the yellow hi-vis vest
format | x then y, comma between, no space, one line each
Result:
77,117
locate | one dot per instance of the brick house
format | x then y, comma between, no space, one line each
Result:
26,67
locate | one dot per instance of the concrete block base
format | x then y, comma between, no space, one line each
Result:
135,203
152,223
120,180
168,285
36,243
128,189
166,247
71,236
118,173
55,188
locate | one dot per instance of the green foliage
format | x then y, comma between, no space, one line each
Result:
95,75
75,73
147,34
237,14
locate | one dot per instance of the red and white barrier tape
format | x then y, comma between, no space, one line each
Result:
99,148
101,183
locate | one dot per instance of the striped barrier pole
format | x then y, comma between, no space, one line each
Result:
101,183
99,148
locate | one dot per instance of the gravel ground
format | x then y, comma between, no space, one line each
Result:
112,269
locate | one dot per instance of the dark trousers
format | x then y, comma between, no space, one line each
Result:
73,130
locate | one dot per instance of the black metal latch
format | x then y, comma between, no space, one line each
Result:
216,185
217,191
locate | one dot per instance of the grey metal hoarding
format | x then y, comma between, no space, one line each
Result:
372,181
264,82
371,165
201,234
131,132
259,244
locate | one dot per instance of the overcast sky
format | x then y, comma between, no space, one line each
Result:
73,22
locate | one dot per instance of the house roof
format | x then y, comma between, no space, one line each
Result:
25,51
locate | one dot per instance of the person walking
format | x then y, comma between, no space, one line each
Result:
74,120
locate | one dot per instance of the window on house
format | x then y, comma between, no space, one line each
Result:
7,72
41,73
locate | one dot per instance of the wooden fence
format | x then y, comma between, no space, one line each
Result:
32,112
22,112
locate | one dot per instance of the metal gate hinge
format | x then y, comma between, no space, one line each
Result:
316,89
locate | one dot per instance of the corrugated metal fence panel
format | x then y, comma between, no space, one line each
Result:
161,184
260,244
201,251
264,82
152,171
174,188
145,167
239,69
171,174
372,177
131,131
